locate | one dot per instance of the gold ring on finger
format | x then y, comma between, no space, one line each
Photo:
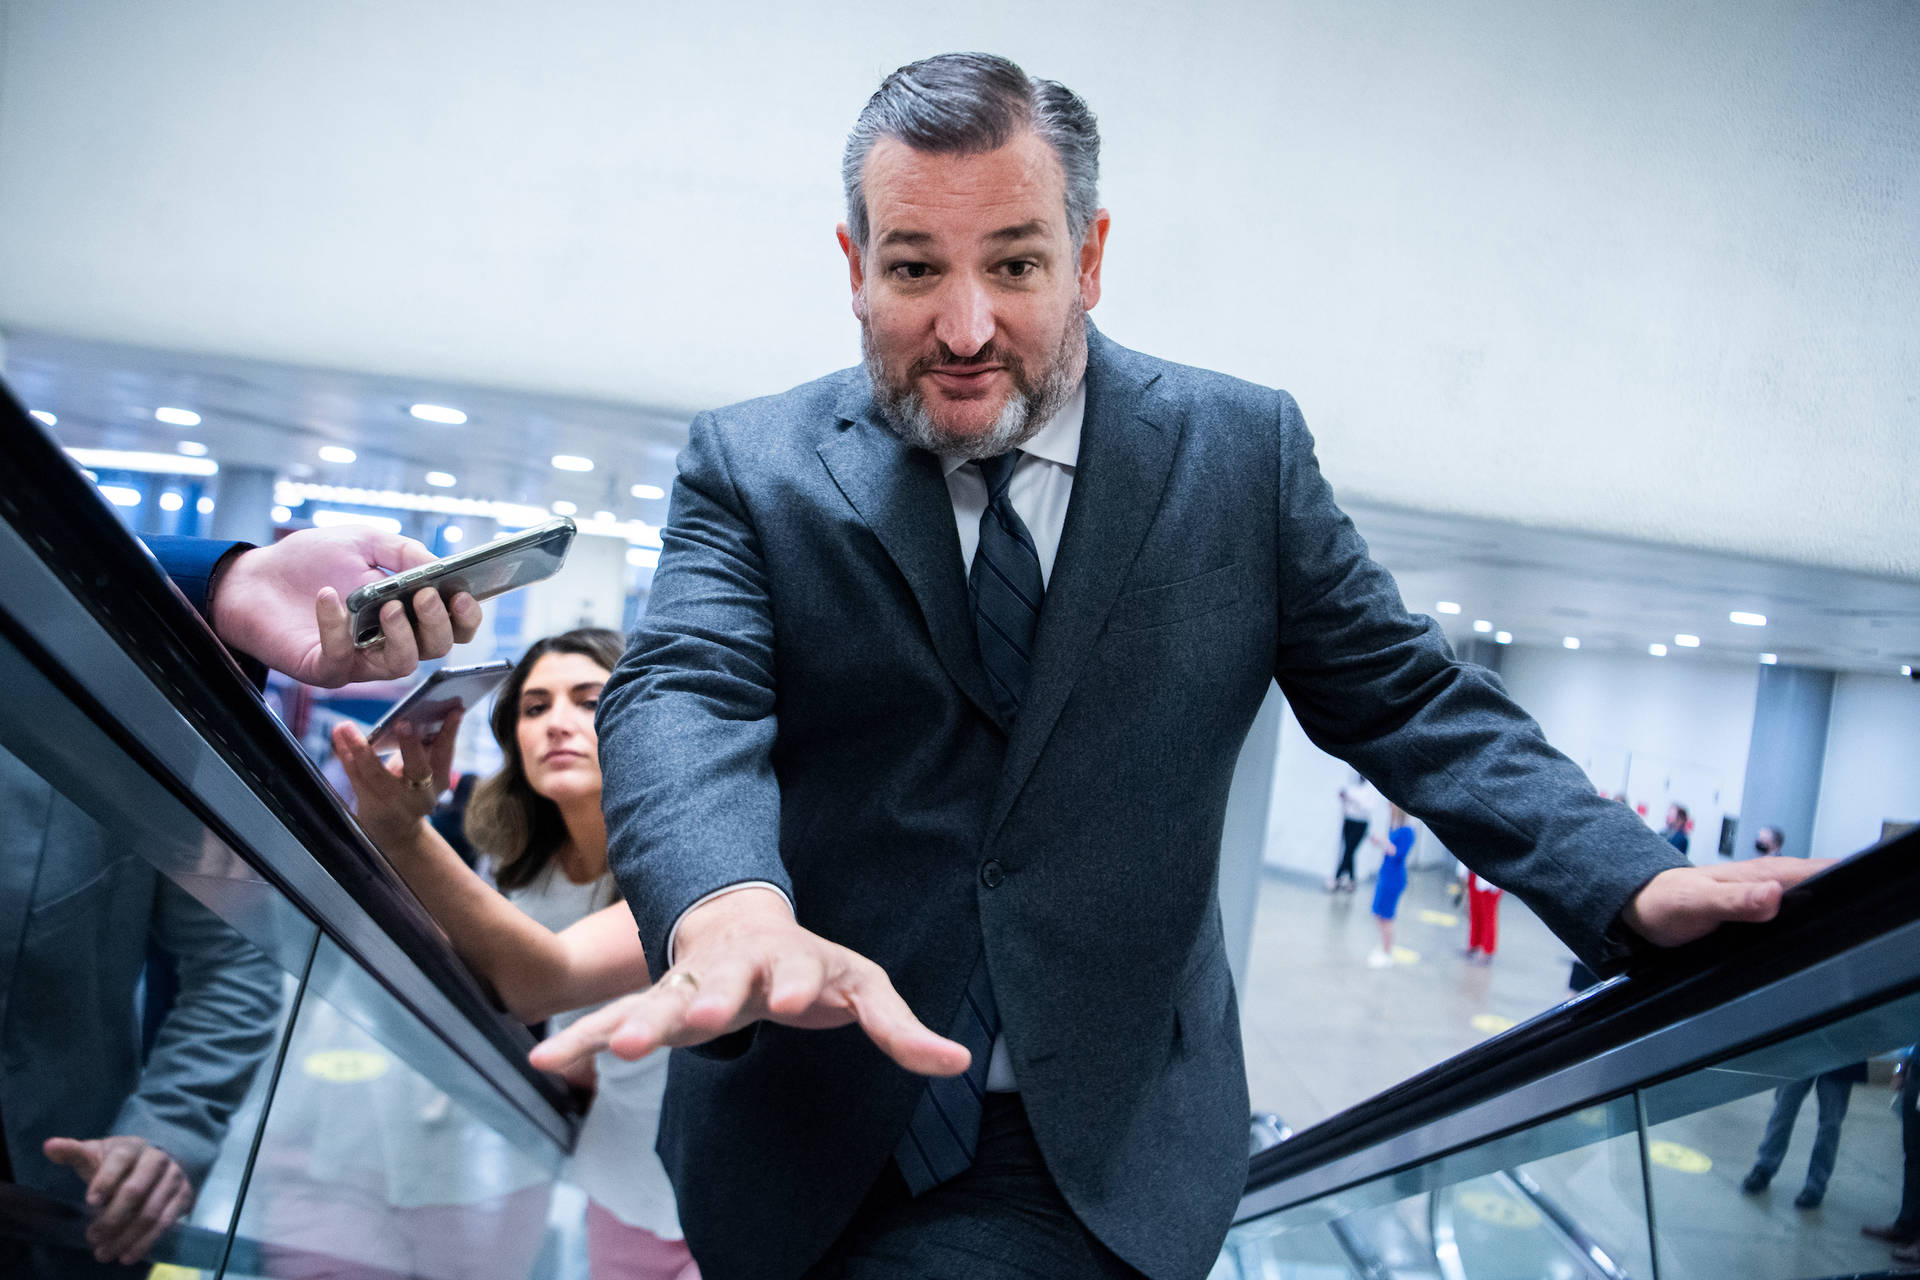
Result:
421,784
682,978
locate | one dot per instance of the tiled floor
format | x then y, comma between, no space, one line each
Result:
1322,1031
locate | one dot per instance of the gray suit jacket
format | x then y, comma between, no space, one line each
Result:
803,705
77,911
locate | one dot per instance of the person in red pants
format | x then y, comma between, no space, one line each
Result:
1483,919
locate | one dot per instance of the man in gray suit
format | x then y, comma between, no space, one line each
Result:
947,664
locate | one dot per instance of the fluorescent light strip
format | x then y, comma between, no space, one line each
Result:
1747,619
1447,606
1657,650
177,417
44,418
327,518
1769,659
291,493
166,464
1686,641
120,496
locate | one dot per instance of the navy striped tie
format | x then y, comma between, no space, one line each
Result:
1006,590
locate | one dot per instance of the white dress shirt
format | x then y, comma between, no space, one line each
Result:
1041,487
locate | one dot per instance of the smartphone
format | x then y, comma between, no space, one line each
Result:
486,570
429,703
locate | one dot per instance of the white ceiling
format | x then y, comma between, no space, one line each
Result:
1642,270
1540,585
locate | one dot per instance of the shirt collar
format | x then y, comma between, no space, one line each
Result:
1058,441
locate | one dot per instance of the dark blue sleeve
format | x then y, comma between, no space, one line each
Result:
190,562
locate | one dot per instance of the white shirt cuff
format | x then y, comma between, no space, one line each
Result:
673,934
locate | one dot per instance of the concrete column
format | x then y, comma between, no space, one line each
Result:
1784,757
1244,837
243,504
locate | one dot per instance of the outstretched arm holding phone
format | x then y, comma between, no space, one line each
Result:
536,972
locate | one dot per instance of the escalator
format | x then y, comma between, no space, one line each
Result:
1610,1137
372,1113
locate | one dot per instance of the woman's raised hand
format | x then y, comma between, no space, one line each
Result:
392,796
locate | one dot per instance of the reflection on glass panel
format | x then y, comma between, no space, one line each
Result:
138,1010
1564,1200
369,1168
1768,1166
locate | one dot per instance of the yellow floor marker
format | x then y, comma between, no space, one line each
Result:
1490,1023
346,1066
1405,955
167,1271
1672,1155
1445,920
1501,1211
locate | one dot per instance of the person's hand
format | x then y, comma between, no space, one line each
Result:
1685,903
134,1188
390,799
741,958
285,604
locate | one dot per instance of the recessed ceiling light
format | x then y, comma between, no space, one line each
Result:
204,506
648,492
441,479
336,453
564,508
171,464
191,448
1503,637
1447,606
280,515
177,417
1482,625
1769,659
1907,671
171,501
1686,641
571,462
1747,619
437,413
44,418
120,496
1571,642
453,533
605,517
643,557
1657,650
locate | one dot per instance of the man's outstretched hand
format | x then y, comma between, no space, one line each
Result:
1685,903
285,604
742,958
135,1190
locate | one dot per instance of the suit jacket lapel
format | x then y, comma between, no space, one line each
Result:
1127,444
901,494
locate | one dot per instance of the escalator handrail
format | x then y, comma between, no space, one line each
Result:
1849,905
51,507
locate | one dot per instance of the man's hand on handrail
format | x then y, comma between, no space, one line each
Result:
1685,903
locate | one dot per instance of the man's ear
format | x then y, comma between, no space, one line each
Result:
1093,251
856,271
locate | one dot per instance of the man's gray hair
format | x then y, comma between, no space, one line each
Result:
969,103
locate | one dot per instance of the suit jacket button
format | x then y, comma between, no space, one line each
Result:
991,874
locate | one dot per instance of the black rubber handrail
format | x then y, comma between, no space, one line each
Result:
1850,903
50,504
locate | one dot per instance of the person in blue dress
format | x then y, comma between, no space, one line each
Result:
1392,882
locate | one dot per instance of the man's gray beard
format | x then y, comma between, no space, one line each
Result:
1028,409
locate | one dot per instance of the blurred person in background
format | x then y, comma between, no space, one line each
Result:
1395,849
538,819
1483,918
1357,800
1675,832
